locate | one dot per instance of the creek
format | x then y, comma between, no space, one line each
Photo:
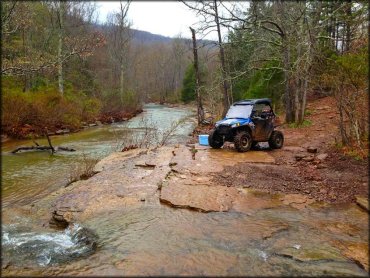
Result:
28,176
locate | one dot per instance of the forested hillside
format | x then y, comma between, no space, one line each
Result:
60,69
56,60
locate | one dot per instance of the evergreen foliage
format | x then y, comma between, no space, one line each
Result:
189,85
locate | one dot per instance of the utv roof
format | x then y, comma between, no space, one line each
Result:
253,101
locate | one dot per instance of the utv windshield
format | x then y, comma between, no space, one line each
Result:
239,111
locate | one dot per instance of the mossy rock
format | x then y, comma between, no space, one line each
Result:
312,253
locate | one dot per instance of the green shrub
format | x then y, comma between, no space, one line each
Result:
189,85
43,107
305,123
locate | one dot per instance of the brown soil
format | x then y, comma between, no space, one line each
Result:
335,179
107,118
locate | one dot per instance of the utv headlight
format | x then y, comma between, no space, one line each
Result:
235,125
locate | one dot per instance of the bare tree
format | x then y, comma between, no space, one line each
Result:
200,110
61,12
211,21
119,40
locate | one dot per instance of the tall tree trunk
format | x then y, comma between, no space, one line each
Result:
60,47
348,25
287,93
226,100
297,99
197,78
122,83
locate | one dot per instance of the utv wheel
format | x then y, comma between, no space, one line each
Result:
243,141
276,140
215,140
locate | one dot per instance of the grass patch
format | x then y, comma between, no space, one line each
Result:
308,112
83,170
355,152
305,123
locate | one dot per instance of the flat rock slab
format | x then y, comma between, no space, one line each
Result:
297,201
119,183
213,198
200,197
210,160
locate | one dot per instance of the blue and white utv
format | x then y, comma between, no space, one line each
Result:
246,123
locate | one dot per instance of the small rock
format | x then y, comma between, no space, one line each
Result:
58,219
91,125
312,150
246,185
299,157
85,236
322,156
98,123
308,158
322,166
142,199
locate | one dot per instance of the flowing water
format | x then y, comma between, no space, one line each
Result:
30,175
155,239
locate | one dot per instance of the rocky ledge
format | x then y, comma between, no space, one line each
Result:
174,176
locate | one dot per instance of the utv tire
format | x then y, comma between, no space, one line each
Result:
243,141
215,140
276,140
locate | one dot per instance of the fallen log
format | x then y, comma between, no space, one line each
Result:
51,146
43,148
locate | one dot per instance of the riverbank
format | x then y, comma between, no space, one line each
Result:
27,131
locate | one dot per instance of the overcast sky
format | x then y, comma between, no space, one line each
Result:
165,18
